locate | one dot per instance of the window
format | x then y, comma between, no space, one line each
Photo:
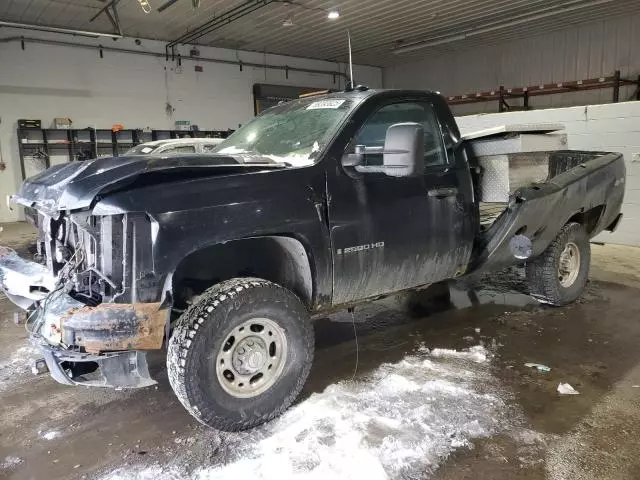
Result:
180,149
294,133
373,132
209,147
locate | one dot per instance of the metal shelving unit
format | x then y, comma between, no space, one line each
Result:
88,143
502,94
173,134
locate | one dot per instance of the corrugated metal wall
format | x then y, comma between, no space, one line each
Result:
584,51
578,52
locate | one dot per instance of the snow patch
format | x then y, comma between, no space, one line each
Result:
477,354
10,462
20,358
14,369
49,435
404,419
401,421
152,473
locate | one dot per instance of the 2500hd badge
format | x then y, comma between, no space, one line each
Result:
360,248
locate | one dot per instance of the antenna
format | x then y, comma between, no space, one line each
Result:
350,62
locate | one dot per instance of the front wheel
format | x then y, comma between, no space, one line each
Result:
240,356
559,275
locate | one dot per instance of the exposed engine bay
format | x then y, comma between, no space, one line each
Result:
89,297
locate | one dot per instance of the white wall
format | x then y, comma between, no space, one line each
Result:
45,81
578,52
609,128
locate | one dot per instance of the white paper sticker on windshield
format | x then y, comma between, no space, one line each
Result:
147,150
328,103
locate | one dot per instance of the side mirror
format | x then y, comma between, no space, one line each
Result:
403,153
354,159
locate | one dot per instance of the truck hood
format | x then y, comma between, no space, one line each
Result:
75,185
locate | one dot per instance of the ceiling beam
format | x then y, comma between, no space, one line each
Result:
220,21
166,5
111,12
68,31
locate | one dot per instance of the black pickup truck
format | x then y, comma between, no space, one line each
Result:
315,205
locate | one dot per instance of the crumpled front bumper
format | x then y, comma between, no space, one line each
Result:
115,370
78,340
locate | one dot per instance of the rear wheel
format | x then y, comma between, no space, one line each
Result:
241,355
559,275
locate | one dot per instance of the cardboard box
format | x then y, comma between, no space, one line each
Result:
62,122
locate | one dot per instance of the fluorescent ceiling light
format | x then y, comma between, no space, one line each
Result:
492,27
333,14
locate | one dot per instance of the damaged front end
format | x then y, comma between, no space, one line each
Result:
93,303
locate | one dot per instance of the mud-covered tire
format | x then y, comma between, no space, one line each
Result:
543,274
198,338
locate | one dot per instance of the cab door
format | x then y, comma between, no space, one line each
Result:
393,233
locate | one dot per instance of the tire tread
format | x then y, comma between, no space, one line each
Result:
542,271
186,330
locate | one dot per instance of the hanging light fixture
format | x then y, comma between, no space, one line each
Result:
144,4
333,14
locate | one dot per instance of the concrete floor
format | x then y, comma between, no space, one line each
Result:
446,396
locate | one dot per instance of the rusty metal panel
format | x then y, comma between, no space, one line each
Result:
114,327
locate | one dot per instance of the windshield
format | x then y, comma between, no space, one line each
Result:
294,133
142,149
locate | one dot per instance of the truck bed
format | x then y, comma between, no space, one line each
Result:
576,183
508,157
524,170
489,213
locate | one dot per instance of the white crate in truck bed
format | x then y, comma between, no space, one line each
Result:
513,156
513,128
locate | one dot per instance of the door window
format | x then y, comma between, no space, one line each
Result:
373,132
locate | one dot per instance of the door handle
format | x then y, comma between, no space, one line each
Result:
443,192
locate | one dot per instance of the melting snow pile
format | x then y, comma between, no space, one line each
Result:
401,421
406,418
17,365
49,435
10,462
476,354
